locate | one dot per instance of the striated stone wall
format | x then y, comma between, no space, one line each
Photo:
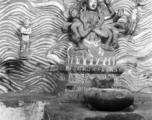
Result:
49,46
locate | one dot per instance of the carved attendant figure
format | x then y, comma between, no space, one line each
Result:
25,31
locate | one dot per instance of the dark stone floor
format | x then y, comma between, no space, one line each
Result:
71,107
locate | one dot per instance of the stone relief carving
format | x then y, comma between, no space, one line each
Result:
26,31
102,33
89,27
87,21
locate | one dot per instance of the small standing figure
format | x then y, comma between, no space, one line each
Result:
25,41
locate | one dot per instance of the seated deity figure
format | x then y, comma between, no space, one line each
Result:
90,23
93,27
84,25
25,32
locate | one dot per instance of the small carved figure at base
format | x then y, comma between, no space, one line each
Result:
80,46
102,83
111,47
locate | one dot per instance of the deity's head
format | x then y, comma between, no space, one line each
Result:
92,4
27,22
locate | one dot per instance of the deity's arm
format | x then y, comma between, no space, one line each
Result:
74,11
84,32
132,21
118,15
101,33
73,14
81,16
113,14
110,9
65,26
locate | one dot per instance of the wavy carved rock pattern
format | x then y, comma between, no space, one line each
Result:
49,45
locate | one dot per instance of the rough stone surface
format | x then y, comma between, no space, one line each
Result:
109,99
74,110
21,106
24,106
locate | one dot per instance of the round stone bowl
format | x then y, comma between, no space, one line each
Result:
108,99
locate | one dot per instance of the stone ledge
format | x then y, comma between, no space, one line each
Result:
23,106
75,110
68,107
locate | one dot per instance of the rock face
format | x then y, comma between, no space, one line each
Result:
108,99
22,111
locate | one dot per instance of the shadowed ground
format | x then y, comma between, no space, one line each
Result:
70,107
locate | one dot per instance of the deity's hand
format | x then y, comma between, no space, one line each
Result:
132,22
120,12
92,27
107,2
74,13
65,26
